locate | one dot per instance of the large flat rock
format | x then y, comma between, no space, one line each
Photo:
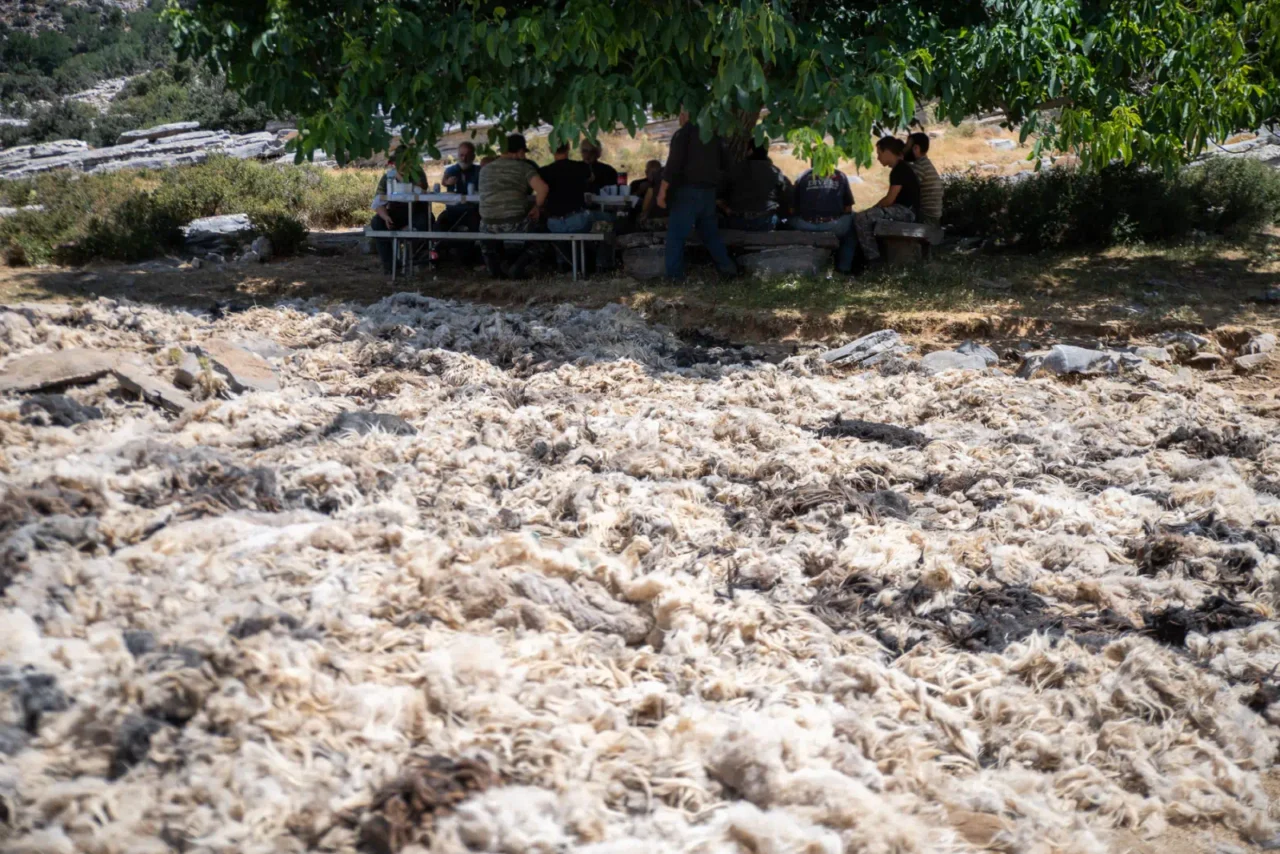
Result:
49,370
139,379
157,132
243,370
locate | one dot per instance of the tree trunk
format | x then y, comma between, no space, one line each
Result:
739,144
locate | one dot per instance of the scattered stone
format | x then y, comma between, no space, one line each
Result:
1159,355
139,642
157,132
37,694
215,258
1264,343
263,248
197,263
951,360
190,369
1002,144
1205,361
1251,362
212,234
1183,345
988,355
140,380
858,352
132,744
12,739
1066,359
262,346
57,410
243,370
249,257
366,422
63,367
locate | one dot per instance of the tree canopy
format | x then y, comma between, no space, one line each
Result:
1147,80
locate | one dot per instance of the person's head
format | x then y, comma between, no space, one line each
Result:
889,150
562,153
516,146
487,159
917,147
684,117
653,171
466,153
758,152
590,151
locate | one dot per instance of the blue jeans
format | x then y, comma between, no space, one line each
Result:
764,222
578,222
841,228
691,207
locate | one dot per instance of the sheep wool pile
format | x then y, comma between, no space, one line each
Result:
556,580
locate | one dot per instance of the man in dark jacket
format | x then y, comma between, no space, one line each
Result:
758,193
690,178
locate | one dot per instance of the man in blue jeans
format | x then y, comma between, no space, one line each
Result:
691,178
826,204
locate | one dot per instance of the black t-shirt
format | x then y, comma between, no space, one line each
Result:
568,180
904,176
602,175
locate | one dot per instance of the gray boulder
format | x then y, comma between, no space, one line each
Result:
1264,343
1158,355
787,261
262,247
243,371
158,132
973,348
214,233
1066,359
940,361
48,370
865,350
646,263
1002,144
1251,362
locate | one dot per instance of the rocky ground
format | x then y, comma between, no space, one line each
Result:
427,575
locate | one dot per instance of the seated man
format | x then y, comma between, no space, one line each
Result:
900,204
653,216
826,204
567,181
652,178
394,216
930,181
512,195
757,194
463,178
602,174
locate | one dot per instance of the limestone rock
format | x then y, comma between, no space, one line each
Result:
786,261
1158,355
1264,343
243,370
212,233
1251,362
1205,361
971,348
1002,144
64,367
261,345
262,246
158,132
951,360
138,379
1066,359
864,349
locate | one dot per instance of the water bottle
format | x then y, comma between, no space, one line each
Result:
436,188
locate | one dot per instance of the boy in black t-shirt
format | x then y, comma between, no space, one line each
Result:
900,204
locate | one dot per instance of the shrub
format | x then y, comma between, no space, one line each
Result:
340,199
286,232
1063,208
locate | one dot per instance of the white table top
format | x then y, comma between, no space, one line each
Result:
447,198
613,201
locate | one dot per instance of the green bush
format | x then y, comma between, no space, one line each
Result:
135,214
287,233
1064,208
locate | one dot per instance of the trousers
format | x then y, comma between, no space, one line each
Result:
690,208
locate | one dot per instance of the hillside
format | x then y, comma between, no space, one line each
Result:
90,70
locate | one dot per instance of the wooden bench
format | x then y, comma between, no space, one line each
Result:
575,240
906,242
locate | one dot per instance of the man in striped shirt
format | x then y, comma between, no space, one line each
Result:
930,182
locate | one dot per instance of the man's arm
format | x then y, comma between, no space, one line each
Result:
676,155
662,193
890,197
451,175
846,193
540,190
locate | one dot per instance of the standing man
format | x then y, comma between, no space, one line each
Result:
900,204
826,204
691,177
512,195
930,181
602,174
462,178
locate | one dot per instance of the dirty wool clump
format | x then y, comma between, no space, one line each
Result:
548,580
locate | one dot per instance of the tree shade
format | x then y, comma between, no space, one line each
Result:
1151,81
